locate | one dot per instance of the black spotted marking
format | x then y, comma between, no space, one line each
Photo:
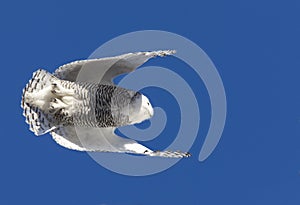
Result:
31,126
43,77
34,86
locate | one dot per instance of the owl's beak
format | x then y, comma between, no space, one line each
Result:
151,112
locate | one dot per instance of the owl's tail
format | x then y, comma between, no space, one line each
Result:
34,99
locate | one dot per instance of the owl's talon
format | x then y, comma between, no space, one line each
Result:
54,100
51,110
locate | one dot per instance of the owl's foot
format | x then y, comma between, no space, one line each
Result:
56,105
59,90
61,105
62,99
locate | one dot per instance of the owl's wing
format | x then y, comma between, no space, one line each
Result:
104,140
111,66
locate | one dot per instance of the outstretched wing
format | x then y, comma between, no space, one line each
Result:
111,66
104,140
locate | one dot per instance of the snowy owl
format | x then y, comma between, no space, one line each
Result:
67,108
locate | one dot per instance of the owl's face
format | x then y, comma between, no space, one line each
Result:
140,108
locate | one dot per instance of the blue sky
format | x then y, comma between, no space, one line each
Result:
254,45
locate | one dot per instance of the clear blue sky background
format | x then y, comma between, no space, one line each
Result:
255,46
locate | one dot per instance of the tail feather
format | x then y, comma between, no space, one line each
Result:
39,122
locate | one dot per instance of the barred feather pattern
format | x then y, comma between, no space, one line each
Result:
99,105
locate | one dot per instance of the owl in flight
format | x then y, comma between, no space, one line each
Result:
69,109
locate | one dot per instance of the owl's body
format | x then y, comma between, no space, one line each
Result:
58,104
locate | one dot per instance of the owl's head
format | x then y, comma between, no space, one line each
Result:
140,108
